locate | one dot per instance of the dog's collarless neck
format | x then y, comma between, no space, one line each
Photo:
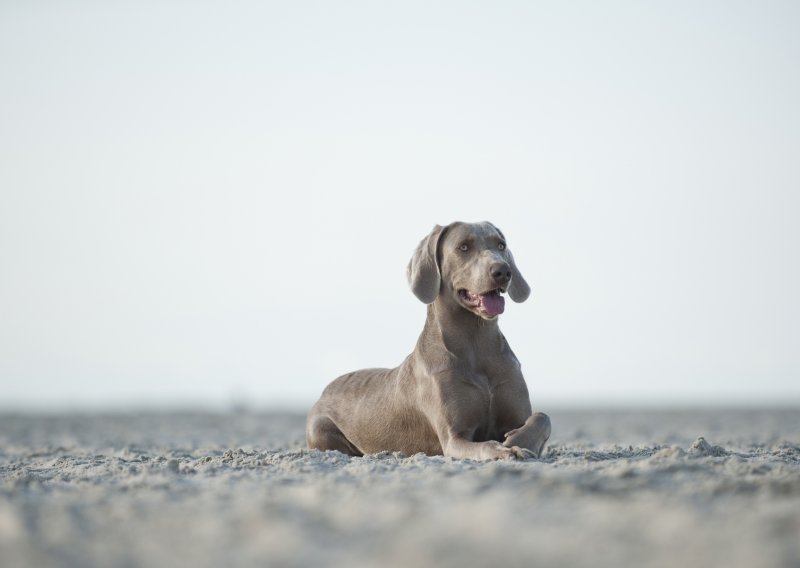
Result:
452,319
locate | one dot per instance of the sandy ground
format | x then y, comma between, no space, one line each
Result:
614,488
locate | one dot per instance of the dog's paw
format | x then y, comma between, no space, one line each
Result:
524,453
493,450
532,435
515,453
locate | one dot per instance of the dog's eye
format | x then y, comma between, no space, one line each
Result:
501,246
464,247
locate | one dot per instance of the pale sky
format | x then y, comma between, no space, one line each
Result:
206,203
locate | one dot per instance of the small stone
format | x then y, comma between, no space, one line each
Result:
172,465
701,447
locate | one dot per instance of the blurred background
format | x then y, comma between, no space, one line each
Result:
212,204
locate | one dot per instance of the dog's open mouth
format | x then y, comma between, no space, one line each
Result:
489,304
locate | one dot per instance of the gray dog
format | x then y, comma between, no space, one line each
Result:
461,392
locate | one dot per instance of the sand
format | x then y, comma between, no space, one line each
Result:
693,488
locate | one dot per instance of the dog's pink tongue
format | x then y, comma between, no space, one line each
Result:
493,304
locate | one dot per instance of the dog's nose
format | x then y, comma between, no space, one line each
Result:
501,272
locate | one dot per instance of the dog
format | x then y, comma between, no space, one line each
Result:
461,392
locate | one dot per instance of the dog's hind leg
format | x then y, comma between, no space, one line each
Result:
323,434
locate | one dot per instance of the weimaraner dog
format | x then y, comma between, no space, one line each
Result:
461,392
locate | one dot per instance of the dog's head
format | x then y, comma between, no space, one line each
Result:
470,264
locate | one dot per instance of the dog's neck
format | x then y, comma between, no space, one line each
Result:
453,324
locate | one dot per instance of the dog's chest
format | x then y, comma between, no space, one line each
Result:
488,388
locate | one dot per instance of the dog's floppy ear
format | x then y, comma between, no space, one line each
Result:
518,289
423,268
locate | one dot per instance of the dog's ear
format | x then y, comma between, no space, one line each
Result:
518,289
423,272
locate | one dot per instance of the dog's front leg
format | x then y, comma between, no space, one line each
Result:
532,435
461,448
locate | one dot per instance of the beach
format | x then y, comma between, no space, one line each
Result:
613,487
